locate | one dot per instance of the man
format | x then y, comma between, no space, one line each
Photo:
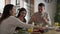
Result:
40,18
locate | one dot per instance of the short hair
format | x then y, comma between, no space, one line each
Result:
41,4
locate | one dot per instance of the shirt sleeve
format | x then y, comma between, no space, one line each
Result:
22,24
48,18
32,19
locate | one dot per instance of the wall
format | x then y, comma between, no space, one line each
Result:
49,8
7,1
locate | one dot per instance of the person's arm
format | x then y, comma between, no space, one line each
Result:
22,24
49,20
46,19
32,19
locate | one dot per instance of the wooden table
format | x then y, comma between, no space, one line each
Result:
49,32
52,32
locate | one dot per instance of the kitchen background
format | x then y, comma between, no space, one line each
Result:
52,7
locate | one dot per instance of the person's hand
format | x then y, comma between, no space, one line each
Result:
43,19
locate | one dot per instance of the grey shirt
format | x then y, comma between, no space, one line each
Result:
8,25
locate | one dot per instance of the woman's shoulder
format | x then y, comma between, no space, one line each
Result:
13,18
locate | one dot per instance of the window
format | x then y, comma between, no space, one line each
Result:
2,3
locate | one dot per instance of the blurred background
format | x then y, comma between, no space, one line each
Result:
52,7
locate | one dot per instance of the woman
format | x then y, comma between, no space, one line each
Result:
8,22
21,15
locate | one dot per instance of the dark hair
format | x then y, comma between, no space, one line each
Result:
6,12
41,4
20,10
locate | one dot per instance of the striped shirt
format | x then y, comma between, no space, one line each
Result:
37,18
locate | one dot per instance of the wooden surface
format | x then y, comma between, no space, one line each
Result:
49,32
52,32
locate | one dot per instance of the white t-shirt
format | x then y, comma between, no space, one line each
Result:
8,25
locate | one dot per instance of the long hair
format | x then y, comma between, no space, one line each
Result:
6,12
20,10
